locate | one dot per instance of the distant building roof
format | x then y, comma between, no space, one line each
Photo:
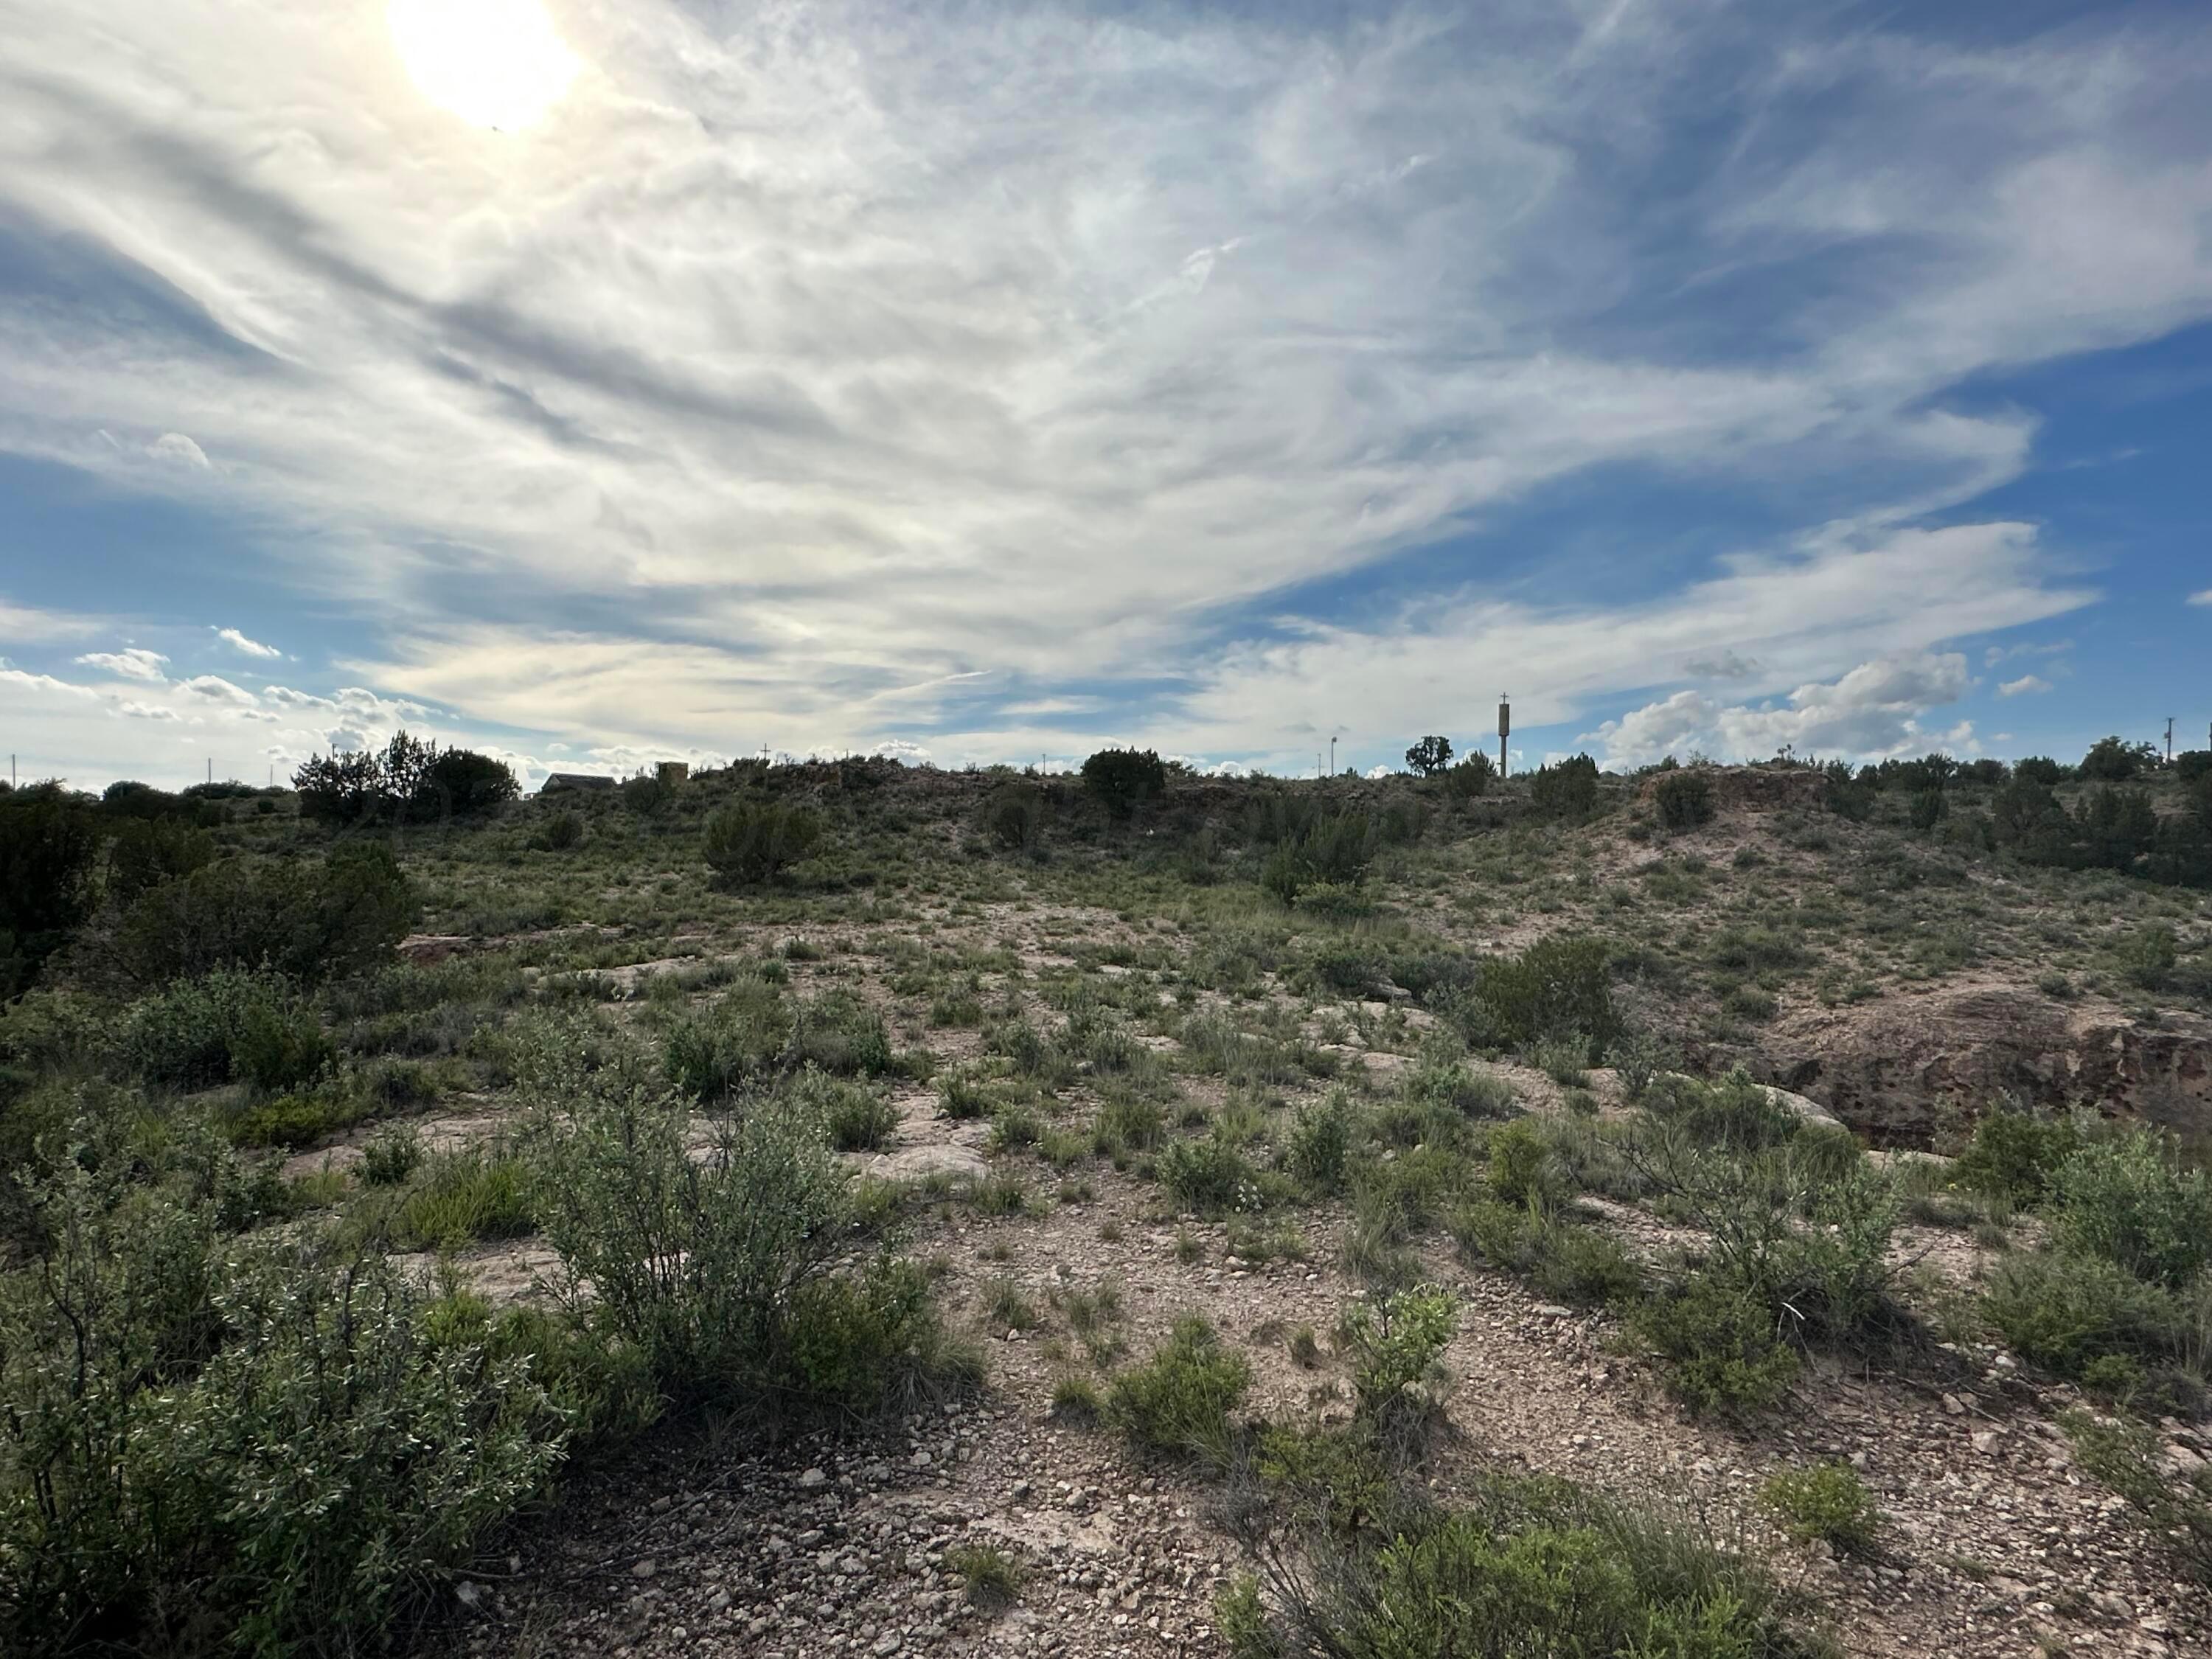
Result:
558,781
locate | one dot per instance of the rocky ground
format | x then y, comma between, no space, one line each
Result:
1993,1545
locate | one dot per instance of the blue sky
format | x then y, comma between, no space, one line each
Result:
987,382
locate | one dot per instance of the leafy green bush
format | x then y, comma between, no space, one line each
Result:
1470,777
561,832
2148,956
1208,1175
1530,1567
1685,800
1827,1502
1179,1401
1395,1343
146,852
2067,1312
2128,1202
1125,778
1333,850
840,1033
2013,1155
749,843
742,1038
1722,1344
48,846
1320,1141
390,1157
856,1117
723,1270
254,1445
308,919
2115,760
231,1024
1555,985
1567,790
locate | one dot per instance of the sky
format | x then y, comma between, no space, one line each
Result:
597,381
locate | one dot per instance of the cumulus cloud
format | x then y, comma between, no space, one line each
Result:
2205,597
1878,708
216,689
2022,686
147,711
1720,665
133,664
237,642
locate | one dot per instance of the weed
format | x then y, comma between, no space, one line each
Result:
1827,1502
1179,1401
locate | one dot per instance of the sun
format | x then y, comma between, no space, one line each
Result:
496,63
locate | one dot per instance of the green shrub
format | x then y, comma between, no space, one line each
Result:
964,1093
2013,1155
561,832
1555,985
390,1158
1721,1343
146,852
1685,800
1320,1141
2067,1312
2128,1202
1564,1262
856,1117
1395,1343
840,1033
308,921
1567,790
1179,1400
722,1269
1127,1122
1207,1174
252,1444
1242,1617
48,847
2148,956
295,1119
1470,777
1076,1400
1333,851
742,1038
1827,1502
1531,1567
1125,778
749,843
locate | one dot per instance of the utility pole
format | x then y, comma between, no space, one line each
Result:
1504,729
2169,739
1332,756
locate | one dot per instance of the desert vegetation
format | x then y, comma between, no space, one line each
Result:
1721,1210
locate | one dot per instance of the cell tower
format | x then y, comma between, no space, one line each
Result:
1504,729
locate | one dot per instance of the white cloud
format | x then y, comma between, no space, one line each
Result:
1061,342
133,664
1877,708
19,625
217,689
147,711
177,448
237,642
2025,685
2205,597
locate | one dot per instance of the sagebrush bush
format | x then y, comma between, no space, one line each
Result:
1319,1143
856,1117
1013,815
2068,1312
1556,986
245,1445
725,1270
1179,1401
750,842
2127,1201
1721,1343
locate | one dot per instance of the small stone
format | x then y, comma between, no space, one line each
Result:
1954,1407
643,1569
812,1479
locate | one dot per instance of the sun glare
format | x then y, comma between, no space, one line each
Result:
495,63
